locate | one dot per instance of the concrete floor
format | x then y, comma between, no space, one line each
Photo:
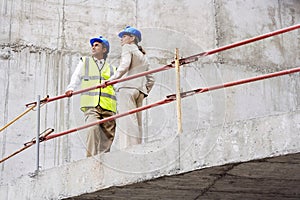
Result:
270,178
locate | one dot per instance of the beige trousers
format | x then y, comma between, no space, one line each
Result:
129,128
99,137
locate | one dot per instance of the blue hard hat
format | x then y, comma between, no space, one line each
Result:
132,31
101,40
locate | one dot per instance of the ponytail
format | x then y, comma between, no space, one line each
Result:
141,49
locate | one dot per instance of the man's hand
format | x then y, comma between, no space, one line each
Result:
69,93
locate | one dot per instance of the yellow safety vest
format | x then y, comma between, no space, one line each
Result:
91,76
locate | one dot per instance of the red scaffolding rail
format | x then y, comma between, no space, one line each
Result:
172,97
182,61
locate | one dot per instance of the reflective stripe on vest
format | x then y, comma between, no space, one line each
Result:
105,97
102,94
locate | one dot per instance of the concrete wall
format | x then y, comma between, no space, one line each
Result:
41,43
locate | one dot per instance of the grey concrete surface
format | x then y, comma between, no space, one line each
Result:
42,41
185,153
269,178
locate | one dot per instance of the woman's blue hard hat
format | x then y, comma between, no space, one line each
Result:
131,31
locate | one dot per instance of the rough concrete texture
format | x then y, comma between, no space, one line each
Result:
41,43
190,151
270,178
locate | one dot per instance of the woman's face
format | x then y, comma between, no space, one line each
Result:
127,39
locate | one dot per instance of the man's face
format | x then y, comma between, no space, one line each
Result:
98,50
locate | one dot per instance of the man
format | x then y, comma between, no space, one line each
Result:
99,103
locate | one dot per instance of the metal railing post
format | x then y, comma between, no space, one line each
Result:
38,134
178,97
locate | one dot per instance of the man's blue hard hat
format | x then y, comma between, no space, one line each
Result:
132,31
102,40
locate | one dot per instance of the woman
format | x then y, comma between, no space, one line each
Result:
131,93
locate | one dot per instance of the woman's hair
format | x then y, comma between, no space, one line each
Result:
140,47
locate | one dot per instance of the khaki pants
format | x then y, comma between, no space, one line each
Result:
99,137
129,128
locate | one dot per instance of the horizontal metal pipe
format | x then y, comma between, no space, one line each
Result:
183,61
172,97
